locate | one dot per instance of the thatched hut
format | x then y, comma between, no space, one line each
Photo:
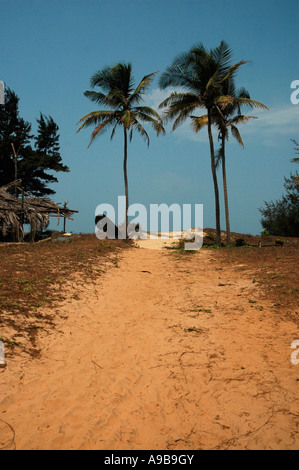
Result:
15,212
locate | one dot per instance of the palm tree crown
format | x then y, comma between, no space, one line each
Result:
122,99
202,73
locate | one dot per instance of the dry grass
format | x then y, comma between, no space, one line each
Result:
33,276
274,270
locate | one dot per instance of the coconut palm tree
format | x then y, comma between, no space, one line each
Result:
228,118
122,102
201,73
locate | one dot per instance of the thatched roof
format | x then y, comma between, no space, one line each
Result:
16,211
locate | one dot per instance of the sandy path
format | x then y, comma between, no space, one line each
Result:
125,372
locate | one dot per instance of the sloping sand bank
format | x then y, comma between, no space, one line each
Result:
162,353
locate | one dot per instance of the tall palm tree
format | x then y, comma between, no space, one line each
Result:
122,100
201,72
227,118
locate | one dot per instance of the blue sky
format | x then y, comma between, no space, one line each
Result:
50,49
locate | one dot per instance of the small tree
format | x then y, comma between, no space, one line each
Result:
281,218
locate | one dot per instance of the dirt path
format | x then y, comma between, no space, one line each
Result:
163,353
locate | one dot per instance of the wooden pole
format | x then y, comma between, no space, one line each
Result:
22,216
16,165
64,219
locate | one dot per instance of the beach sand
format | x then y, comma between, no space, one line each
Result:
160,353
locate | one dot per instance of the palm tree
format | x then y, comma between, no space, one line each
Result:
226,119
122,100
201,72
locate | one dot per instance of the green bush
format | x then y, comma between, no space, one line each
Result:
282,217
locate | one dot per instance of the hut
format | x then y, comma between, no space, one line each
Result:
16,211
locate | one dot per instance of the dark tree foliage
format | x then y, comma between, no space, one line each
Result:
281,218
13,130
37,156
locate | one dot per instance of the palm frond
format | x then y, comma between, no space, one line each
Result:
232,70
95,118
123,79
136,96
101,129
116,77
236,134
213,82
97,97
114,129
218,158
180,100
131,135
251,103
147,110
224,101
140,129
102,78
155,123
179,105
222,56
116,98
241,119
242,93
182,115
127,118
296,145
198,123
178,75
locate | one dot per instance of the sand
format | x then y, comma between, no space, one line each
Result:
162,353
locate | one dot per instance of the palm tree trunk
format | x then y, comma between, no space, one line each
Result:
126,178
225,191
216,190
